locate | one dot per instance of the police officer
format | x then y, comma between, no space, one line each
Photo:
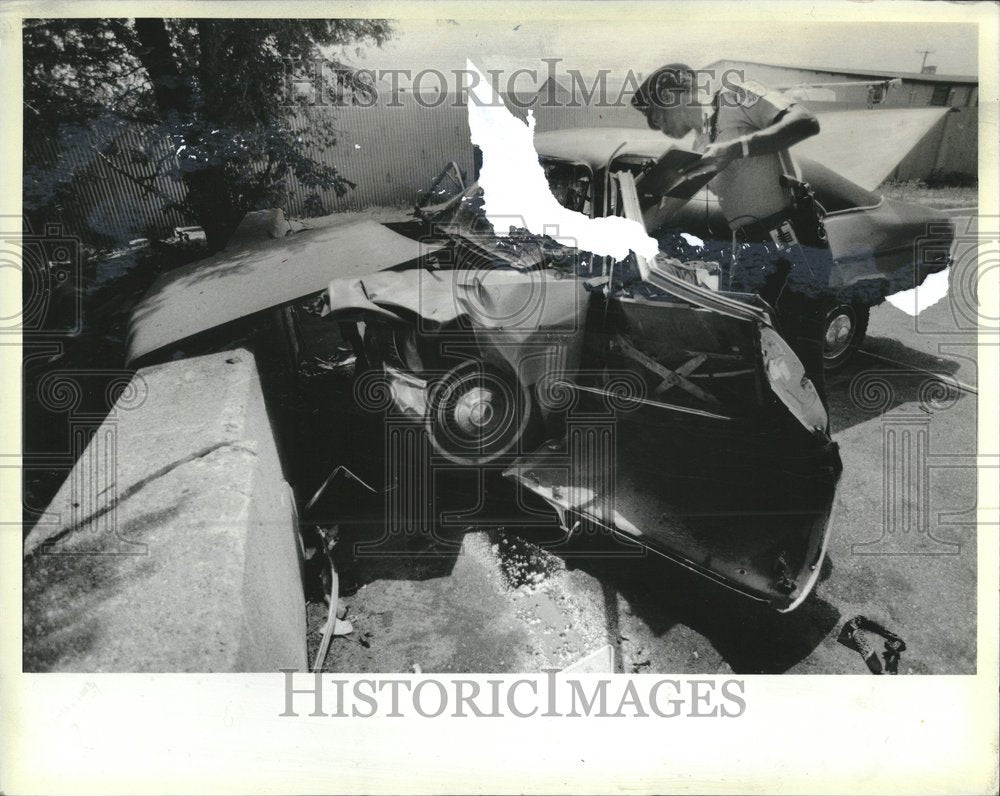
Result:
780,250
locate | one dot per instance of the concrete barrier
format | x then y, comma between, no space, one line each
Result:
172,546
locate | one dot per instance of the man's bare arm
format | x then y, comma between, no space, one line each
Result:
794,125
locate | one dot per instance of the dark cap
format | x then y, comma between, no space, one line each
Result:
662,86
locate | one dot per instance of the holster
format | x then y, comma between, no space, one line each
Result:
806,213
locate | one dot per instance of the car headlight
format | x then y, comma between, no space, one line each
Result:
788,380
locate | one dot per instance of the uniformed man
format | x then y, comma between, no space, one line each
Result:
780,250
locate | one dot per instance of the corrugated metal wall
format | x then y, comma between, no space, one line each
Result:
390,153
102,203
959,149
951,147
394,152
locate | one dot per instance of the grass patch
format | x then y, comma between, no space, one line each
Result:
941,197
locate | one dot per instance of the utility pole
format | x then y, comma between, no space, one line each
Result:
923,63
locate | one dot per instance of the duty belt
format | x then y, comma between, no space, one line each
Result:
802,218
777,228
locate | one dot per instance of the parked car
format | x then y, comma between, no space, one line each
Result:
880,246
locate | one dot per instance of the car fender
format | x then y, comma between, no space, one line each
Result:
530,321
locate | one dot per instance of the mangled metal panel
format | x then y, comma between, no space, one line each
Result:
743,521
235,284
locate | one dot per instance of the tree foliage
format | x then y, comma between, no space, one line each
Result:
216,89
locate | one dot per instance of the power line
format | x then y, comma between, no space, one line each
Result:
923,63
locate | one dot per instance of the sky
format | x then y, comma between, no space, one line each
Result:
445,44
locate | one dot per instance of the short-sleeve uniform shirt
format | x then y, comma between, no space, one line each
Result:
748,188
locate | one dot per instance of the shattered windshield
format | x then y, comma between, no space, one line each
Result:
464,215
570,184
517,248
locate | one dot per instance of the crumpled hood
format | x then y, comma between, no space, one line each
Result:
241,281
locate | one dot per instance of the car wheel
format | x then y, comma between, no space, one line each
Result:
845,328
477,414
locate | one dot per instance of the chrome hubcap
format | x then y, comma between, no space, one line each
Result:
838,335
474,411
474,414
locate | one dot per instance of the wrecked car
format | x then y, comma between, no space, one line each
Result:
881,246
632,400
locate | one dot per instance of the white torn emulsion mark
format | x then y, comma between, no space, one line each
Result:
917,299
515,192
692,240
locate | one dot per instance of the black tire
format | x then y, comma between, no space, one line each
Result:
478,414
844,330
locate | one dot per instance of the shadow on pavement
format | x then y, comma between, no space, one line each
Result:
751,637
868,386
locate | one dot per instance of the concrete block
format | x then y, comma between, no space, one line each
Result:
172,546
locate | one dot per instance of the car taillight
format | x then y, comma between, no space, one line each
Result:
935,248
